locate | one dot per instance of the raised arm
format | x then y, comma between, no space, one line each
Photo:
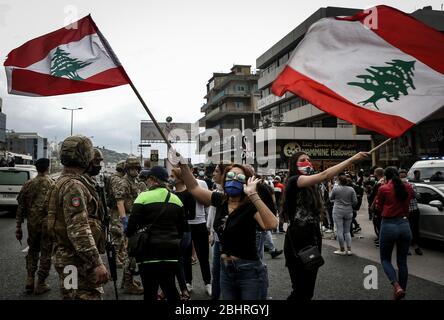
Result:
201,195
307,181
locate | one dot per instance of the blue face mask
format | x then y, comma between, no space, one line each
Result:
234,188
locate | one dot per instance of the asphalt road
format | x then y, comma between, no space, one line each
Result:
341,278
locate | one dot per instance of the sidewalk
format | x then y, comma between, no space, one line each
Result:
428,266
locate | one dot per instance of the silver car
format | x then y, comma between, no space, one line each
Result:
430,203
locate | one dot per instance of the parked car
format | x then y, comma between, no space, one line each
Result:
431,207
11,182
427,168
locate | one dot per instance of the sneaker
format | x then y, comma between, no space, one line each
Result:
208,289
189,287
41,288
328,231
339,252
349,253
357,229
418,251
193,260
276,253
409,253
398,292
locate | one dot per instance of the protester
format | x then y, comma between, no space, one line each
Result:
393,201
414,214
238,211
214,239
417,176
157,206
376,214
302,209
344,198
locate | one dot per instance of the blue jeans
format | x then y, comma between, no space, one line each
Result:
215,284
260,242
395,231
243,279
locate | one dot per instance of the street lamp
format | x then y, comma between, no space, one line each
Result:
72,114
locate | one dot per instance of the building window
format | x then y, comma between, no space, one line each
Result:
285,107
240,88
239,104
330,122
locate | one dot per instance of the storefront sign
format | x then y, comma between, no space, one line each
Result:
324,149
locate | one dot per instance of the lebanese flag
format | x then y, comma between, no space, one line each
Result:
76,58
385,79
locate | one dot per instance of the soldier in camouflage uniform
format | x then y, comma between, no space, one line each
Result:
116,226
75,222
125,192
31,200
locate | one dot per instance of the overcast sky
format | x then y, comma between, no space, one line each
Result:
169,48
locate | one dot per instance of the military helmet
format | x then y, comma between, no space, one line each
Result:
76,151
120,165
132,162
98,156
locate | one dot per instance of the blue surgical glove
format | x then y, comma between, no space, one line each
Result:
124,222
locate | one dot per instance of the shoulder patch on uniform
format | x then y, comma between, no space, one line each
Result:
75,201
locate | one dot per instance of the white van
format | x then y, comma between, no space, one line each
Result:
11,182
427,168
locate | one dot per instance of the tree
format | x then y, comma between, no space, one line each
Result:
387,82
64,66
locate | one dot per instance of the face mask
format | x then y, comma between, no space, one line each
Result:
201,173
404,179
94,170
234,188
305,167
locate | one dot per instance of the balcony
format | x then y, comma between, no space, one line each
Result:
222,111
271,99
227,93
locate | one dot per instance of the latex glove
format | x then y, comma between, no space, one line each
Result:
124,222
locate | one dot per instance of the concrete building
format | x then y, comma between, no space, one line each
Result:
27,143
2,128
231,103
298,124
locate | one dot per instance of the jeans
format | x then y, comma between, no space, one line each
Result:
243,279
215,284
343,222
184,245
395,231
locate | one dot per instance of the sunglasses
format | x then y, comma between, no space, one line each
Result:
238,177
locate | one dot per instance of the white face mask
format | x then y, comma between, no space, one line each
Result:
404,179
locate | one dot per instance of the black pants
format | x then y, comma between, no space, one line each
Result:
199,235
161,274
414,225
302,281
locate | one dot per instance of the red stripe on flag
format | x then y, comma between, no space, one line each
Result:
332,103
47,85
36,49
407,34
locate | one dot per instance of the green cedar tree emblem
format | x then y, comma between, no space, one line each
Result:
387,82
64,66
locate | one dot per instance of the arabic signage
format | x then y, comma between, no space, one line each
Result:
316,149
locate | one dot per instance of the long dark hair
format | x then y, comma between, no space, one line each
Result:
310,197
392,174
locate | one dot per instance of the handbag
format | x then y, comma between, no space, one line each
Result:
310,256
139,242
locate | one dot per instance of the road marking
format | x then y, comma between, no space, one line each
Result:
26,249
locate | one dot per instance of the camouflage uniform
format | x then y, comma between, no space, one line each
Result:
75,221
127,189
31,205
116,229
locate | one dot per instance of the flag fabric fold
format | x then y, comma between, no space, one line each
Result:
76,58
385,79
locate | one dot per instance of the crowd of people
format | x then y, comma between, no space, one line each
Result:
167,218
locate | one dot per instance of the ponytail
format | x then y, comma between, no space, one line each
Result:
400,190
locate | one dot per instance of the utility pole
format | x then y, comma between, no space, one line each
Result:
72,114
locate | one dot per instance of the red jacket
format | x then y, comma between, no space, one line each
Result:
390,206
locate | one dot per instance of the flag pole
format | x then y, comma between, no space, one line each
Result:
380,145
117,63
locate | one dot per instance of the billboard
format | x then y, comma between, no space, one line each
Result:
174,131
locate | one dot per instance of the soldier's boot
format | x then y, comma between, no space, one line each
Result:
29,288
130,286
41,287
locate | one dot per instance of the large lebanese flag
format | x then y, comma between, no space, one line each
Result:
73,59
385,79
